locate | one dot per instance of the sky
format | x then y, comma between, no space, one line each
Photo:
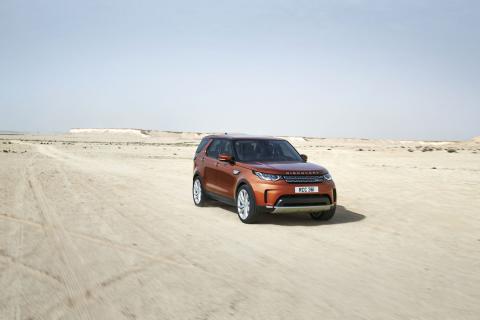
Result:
344,68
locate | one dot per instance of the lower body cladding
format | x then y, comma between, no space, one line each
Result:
301,204
300,209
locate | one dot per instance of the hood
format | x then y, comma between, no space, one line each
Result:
285,168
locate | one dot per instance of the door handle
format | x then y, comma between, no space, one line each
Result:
203,159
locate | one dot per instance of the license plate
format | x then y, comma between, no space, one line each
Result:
306,189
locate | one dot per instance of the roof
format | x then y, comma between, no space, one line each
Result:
241,136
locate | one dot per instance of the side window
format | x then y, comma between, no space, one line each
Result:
215,148
228,148
219,146
201,145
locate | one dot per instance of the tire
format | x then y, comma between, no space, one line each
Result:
324,215
246,205
198,192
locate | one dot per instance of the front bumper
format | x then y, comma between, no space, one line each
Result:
267,194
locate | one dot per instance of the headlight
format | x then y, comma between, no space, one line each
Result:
327,177
267,176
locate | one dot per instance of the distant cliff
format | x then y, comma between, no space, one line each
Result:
140,132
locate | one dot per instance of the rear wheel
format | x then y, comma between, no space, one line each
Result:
246,205
324,215
198,193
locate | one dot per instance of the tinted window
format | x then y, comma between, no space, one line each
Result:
219,146
202,145
265,150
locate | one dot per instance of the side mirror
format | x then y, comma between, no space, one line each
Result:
225,157
304,157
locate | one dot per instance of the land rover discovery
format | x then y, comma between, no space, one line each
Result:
261,174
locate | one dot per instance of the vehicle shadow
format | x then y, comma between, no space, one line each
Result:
342,215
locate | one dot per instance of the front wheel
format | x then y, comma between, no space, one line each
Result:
246,207
324,215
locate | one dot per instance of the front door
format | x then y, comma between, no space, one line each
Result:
226,178
219,177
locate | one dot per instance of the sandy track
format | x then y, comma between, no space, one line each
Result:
100,231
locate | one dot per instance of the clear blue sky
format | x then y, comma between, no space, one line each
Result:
374,69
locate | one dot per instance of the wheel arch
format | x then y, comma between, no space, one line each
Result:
196,173
241,183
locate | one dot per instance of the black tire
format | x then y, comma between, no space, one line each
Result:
252,213
203,197
324,215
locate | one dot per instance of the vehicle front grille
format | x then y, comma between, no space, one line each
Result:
303,179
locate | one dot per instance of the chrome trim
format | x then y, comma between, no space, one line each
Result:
302,209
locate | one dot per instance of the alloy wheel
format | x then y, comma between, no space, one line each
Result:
243,204
197,191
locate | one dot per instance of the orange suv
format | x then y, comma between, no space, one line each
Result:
261,174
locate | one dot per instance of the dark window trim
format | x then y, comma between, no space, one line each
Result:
213,141
205,142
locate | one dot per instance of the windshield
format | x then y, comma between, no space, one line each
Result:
265,150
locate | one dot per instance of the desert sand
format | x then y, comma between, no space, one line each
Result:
101,225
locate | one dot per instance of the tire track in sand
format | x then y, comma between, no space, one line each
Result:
87,293
70,273
145,193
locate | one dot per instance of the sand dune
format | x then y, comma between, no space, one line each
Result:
101,225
